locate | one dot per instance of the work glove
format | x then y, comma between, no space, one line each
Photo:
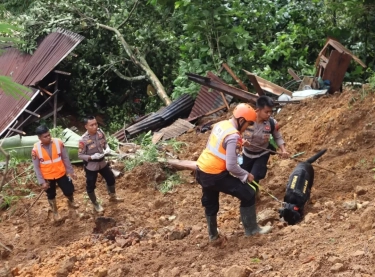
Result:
107,150
96,156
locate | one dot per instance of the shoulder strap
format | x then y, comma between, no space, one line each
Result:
272,123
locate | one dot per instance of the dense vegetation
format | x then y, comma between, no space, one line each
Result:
175,37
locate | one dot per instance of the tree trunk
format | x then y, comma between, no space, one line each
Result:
142,64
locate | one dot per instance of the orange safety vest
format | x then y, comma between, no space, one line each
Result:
50,167
212,159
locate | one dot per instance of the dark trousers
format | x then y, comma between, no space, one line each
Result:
91,177
65,185
257,166
212,185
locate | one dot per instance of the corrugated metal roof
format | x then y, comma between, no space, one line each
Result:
177,108
29,70
207,100
178,127
11,108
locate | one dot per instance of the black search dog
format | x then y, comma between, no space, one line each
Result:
298,190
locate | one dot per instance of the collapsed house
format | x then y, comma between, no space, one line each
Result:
37,72
215,95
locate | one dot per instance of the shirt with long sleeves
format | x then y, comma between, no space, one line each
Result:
231,144
48,148
259,135
90,145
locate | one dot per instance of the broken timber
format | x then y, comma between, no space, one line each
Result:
261,84
221,86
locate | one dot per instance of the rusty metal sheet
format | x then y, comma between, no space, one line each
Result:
28,70
53,49
336,69
208,99
340,48
267,85
222,86
11,108
178,127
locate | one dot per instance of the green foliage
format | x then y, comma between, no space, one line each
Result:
112,141
172,181
94,86
176,145
148,153
57,132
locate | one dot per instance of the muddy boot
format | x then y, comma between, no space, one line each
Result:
249,222
212,227
72,203
112,195
52,203
96,204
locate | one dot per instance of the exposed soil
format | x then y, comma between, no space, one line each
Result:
165,234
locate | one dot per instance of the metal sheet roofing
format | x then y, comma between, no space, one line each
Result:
11,108
28,70
178,127
208,99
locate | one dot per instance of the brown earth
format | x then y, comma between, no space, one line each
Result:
165,234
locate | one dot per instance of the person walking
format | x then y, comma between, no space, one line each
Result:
258,135
92,148
52,167
218,171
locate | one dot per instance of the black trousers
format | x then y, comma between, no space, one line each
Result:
65,185
213,184
91,177
257,166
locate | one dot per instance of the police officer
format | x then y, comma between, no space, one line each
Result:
93,147
254,159
51,165
218,171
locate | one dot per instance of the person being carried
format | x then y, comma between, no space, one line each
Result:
218,171
52,166
258,135
93,147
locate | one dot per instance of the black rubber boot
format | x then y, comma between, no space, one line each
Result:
249,222
52,203
112,195
97,206
71,202
212,227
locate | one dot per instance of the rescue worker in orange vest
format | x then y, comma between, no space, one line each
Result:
51,165
218,171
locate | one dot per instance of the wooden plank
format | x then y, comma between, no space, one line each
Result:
255,83
293,74
215,110
224,100
45,91
269,86
55,103
62,72
307,81
336,68
32,113
234,76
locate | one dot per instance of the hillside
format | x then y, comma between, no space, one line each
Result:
165,235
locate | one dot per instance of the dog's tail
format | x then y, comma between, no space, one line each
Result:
316,156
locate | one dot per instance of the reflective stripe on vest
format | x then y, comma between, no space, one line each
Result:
220,134
40,153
